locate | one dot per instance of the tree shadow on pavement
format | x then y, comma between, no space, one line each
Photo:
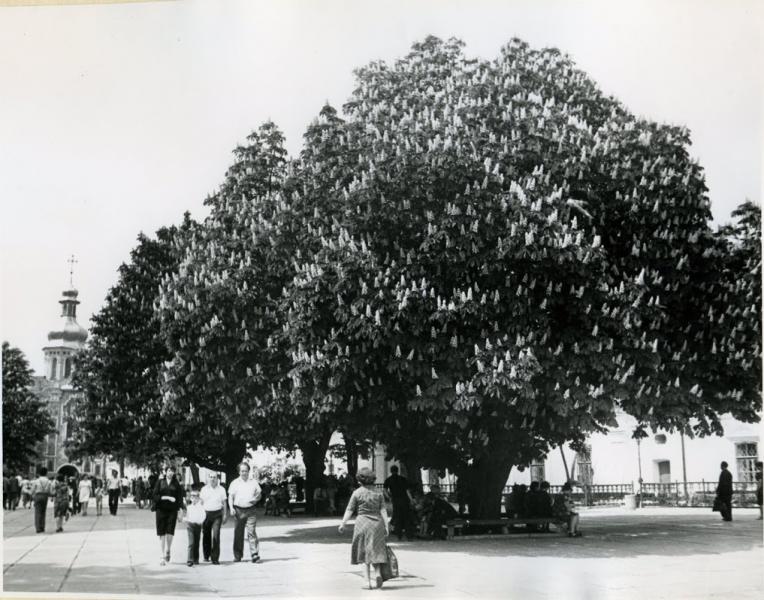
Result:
667,535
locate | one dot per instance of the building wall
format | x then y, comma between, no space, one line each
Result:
616,459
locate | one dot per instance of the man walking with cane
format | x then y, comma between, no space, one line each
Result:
243,494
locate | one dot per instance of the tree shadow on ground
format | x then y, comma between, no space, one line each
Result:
670,535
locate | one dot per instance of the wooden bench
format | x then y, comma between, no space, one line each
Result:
454,525
457,525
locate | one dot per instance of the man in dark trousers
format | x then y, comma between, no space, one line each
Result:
398,488
724,493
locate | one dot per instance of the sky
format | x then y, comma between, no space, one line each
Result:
116,119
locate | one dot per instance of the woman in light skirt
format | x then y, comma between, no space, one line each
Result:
369,545
85,490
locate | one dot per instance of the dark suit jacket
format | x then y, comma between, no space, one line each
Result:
724,489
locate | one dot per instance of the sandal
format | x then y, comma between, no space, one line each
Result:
162,562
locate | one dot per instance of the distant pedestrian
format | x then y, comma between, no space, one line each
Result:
85,491
243,494
153,478
112,487
60,501
371,526
124,484
74,488
14,491
724,493
214,501
399,489
194,517
42,489
138,492
26,493
98,493
168,500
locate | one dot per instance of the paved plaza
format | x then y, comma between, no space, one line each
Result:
650,553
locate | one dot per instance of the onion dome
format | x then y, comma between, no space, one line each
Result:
69,333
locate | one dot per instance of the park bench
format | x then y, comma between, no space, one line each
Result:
457,525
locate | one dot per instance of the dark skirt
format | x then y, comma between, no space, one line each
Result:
369,538
60,508
166,521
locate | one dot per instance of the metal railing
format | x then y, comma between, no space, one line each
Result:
698,493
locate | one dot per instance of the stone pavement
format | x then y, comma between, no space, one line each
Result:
650,553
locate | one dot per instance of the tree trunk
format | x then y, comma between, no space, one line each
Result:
413,472
121,467
194,473
487,478
351,450
565,464
233,453
313,455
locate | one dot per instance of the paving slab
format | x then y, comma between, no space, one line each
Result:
648,553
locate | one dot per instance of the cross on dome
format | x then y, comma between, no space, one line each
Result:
72,261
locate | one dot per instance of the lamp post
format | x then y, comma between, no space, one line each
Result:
639,466
684,468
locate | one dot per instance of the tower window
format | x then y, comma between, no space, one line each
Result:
53,365
68,367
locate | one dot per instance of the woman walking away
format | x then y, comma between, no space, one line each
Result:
168,500
371,526
60,501
85,491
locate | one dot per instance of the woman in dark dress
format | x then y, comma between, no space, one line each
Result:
168,500
371,526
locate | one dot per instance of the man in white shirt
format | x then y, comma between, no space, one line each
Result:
42,489
243,493
215,504
112,486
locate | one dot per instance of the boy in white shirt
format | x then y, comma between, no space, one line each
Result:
194,518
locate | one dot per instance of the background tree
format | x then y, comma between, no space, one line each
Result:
122,410
26,420
220,314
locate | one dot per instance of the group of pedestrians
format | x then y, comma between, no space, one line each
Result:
204,512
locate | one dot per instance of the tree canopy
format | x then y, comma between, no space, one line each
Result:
509,257
477,261
121,411
26,420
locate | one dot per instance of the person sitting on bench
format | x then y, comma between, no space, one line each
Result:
532,508
563,510
517,501
437,511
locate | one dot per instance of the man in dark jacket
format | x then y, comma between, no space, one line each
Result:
399,489
724,493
